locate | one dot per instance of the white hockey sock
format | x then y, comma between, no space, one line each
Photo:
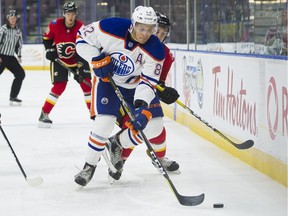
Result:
92,157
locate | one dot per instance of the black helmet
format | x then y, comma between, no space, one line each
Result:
69,7
163,20
11,13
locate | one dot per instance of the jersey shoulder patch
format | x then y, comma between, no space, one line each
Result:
54,22
154,48
115,26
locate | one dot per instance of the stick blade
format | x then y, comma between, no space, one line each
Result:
36,181
245,145
191,200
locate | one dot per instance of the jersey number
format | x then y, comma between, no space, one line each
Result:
158,69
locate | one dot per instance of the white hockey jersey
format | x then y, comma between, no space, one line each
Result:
135,65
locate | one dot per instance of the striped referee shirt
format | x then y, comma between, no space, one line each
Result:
11,40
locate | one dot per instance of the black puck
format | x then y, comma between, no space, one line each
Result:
218,205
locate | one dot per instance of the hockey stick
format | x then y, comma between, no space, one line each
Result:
31,181
245,145
108,161
183,200
70,70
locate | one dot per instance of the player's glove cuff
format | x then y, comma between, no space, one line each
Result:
168,95
51,54
77,76
142,117
102,65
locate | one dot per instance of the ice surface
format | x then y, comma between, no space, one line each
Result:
56,154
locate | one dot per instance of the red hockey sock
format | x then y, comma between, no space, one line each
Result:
126,153
87,92
158,144
56,91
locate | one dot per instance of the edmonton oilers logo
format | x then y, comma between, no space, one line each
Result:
123,64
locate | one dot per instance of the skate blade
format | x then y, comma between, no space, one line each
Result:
176,172
44,125
79,188
13,103
111,180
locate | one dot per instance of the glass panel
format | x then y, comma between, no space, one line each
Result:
247,26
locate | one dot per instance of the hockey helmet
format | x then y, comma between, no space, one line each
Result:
145,15
69,7
163,20
11,13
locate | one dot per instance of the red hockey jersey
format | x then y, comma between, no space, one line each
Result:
169,59
64,39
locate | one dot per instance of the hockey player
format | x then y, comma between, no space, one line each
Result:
134,57
118,154
10,44
59,41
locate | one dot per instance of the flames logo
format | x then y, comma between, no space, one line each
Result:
66,50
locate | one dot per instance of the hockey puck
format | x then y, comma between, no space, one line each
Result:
218,205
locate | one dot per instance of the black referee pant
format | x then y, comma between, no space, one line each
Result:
12,64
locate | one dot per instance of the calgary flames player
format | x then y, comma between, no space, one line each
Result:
59,41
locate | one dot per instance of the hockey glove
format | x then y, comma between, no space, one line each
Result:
102,65
20,59
142,117
77,76
168,95
51,54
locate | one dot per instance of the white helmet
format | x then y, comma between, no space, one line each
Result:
145,15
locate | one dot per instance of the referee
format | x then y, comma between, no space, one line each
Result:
10,46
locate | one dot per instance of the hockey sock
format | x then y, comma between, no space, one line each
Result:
51,100
159,144
126,153
87,92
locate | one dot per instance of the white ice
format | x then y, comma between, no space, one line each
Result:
57,154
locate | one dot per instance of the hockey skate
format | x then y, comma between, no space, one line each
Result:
85,175
169,165
15,102
44,121
115,151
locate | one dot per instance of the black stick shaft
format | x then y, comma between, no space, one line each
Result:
183,200
13,152
71,71
245,145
